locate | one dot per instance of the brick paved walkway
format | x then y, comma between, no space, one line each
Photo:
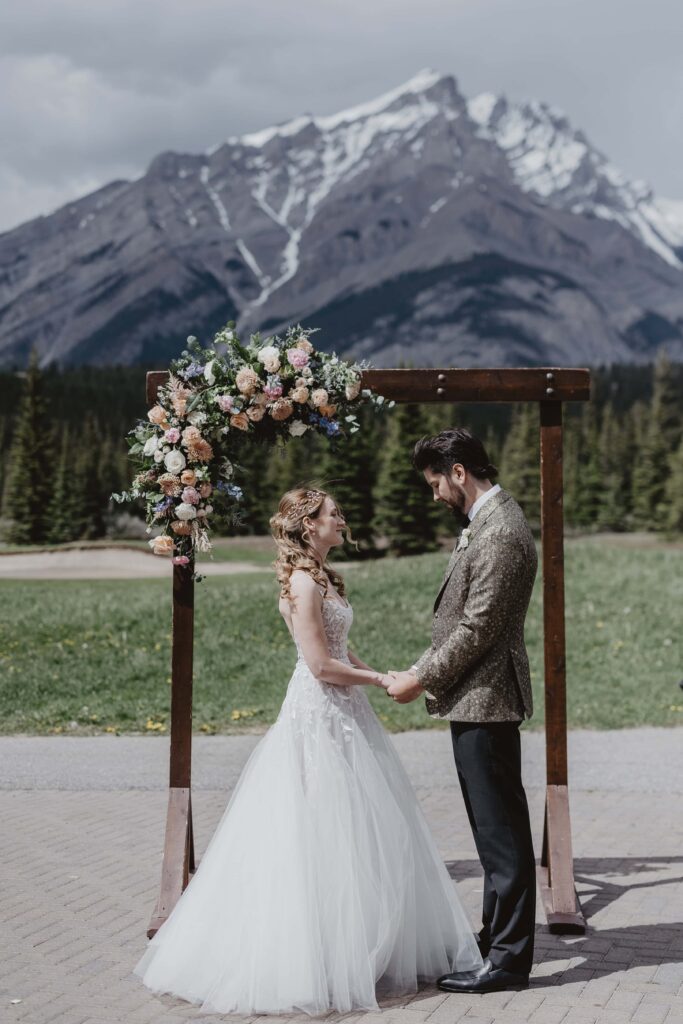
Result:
80,873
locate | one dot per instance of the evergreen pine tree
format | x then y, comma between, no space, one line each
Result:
30,464
88,491
674,492
571,469
406,513
589,488
520,470
660,441
63,516
350,473
615,446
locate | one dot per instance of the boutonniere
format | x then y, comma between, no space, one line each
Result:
464,538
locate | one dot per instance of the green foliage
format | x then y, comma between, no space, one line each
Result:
406,515
619,454
519,463
31,459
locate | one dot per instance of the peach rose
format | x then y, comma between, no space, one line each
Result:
162,545
256,413
282,409
319,397
240,421
205,490
305,345
191,435
299,394
352,391
158,415
188,477
327,410
247,380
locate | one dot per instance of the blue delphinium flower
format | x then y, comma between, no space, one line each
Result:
194,369
230,489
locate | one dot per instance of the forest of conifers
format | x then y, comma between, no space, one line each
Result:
63,452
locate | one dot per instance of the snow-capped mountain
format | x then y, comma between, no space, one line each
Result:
559,165
416,227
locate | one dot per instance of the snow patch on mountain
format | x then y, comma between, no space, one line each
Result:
559,165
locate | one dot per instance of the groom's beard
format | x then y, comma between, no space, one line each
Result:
456,502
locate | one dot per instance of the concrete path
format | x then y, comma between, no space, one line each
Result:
103,563
81,845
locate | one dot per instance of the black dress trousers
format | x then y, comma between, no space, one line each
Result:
489,764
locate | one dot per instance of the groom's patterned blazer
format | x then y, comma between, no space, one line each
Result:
477,668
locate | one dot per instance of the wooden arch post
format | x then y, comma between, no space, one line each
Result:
550,387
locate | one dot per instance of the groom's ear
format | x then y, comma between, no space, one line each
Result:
459,471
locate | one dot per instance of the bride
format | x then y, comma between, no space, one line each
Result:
321,887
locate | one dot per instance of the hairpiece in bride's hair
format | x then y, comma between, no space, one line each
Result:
303,507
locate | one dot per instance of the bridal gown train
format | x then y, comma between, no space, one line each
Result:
321,887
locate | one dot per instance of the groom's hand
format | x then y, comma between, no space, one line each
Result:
405,687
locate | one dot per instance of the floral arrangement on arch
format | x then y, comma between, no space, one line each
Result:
216,400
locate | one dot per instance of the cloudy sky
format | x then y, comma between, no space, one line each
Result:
91,90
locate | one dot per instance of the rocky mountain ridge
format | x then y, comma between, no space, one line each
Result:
417,228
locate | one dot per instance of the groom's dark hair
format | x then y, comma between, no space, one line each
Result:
440,452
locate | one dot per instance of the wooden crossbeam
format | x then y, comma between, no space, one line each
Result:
528,384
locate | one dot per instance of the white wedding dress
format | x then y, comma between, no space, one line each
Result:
321,887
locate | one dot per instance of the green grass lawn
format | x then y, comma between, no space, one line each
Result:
97,653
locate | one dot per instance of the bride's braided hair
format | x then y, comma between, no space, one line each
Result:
294,548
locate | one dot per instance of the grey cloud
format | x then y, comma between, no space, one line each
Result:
103,87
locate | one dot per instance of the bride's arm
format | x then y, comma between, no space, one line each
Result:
309,630
355,660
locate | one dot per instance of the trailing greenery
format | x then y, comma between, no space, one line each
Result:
62,452
97,657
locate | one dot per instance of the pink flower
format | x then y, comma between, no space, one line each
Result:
297,358
172,435
273,391
181,560
190,495
225,402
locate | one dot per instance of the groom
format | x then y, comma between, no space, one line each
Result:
476,675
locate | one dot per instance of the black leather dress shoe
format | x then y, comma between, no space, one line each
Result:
486,978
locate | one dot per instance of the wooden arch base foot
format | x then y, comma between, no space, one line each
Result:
178,863
555,874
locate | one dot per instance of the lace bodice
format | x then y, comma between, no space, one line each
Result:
312,703
337,620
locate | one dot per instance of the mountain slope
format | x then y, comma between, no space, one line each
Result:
415,228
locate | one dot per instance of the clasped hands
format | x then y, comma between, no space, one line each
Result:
403,687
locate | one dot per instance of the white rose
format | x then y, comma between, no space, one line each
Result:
208,372
158,455
197,418
297,428
352,391
185,511
151,445
307,372
270,357
175,461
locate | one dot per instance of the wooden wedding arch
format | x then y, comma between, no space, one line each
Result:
550,387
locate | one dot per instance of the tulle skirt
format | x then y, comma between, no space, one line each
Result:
321,887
